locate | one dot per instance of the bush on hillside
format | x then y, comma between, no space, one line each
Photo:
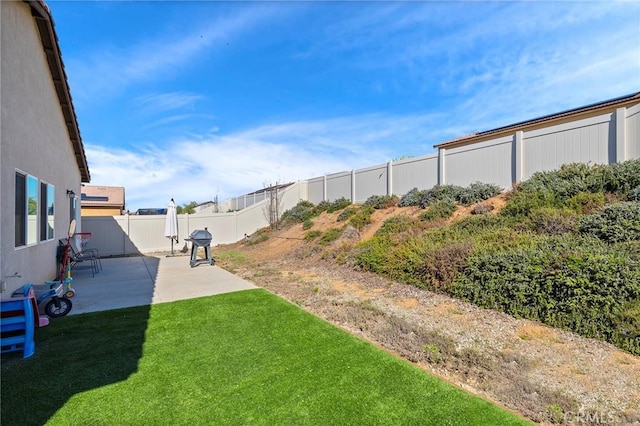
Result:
362,217
586,202
302,211
567,186
330,235
338,204
396,225
521,203
450,193
477,192
439,210
622,178
482,208
414,197
614,223
634,194
569,282
382,201
346,214
567,181
550,221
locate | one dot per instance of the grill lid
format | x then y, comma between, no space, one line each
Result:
201,234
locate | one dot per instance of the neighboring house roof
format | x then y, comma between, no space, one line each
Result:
44,21
102,196
616,102
271,188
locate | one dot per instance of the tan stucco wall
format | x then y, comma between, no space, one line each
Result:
100,211
33,139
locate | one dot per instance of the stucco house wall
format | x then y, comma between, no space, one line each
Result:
34,140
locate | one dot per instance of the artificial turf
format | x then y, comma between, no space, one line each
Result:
241,358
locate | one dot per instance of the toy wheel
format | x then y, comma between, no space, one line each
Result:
58,308
70,293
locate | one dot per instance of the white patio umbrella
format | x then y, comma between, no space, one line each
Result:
171,224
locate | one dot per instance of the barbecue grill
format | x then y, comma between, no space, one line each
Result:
200,238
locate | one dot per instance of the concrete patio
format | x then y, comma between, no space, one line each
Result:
143,280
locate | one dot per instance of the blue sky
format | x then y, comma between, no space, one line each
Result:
196,99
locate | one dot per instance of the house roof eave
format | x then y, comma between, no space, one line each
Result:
44,22
619,101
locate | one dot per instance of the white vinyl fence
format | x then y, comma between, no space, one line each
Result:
503,160
134,234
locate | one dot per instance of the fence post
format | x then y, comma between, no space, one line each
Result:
441,171
390,177
324,188
621,135
126,237
353,186
518,156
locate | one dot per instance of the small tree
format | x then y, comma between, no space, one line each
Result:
273,205
187,208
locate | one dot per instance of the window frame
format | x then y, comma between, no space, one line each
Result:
22,235
46,210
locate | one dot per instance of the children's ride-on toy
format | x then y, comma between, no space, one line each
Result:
51,301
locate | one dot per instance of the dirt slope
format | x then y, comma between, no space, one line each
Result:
545,374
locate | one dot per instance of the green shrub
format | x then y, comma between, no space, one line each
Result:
259,237
578,283
567,181
482,208
634,194
307,224
299,213
322,206
614,223
312,235
586,202
338,204
413,198
442,265
330,235
346,214
362,218
552,221
396,225
622,178
627,325
372,255
442,193
439,210
382,201
477,192
521,203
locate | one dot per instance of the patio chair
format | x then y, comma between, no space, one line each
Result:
77,256
85,250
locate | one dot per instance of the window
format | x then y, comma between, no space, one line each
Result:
47,198
26,212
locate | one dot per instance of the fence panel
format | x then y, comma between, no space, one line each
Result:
633,132
584,141
338,186
371,181
419,172
487,162
316,190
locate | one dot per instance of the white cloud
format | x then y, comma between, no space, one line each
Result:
198,168
158,102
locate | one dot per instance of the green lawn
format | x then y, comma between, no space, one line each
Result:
239,358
